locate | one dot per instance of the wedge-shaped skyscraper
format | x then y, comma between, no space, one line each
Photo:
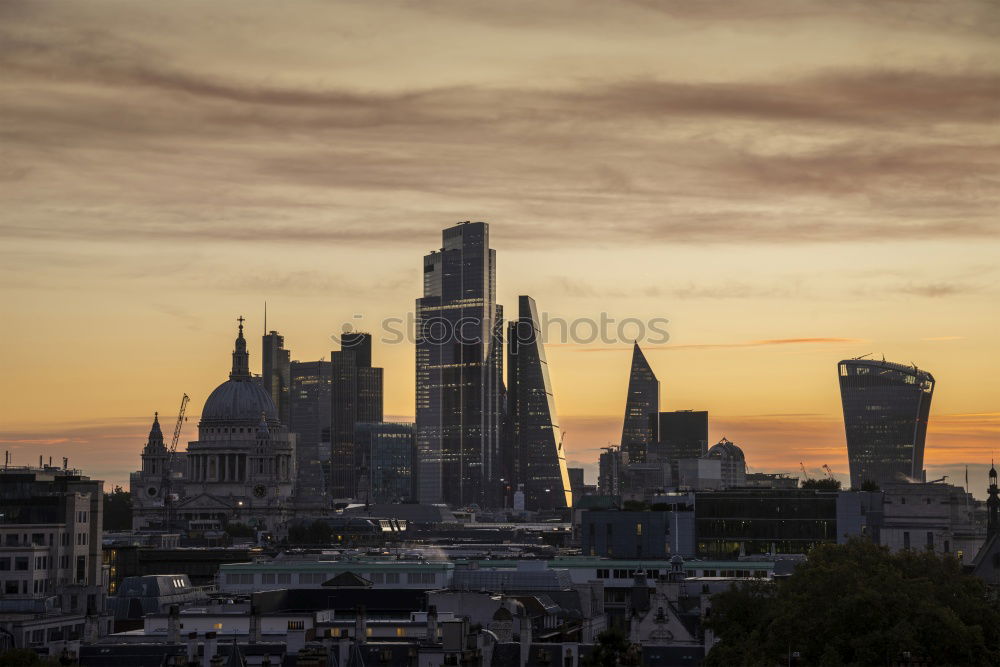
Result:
885,416
643,400
536,454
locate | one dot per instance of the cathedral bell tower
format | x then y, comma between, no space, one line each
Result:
154,458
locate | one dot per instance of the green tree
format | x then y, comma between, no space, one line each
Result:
24,657
611,650
234,529
825,484
857,604
118,510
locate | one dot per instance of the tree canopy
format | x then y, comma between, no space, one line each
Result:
822,484
118,510
857,604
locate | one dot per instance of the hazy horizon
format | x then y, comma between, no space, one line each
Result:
788,183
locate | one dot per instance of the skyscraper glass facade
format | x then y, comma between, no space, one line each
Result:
886,406
309,419
538,460
275,369
356,396
643,400
459,367
385,457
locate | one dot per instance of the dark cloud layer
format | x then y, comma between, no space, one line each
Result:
884,153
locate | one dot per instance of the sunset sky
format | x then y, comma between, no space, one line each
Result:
789,183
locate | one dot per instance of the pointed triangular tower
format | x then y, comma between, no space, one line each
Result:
642,401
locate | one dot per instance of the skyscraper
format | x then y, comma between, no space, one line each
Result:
611,465
885,418
681,434
385,455
275,360
356,397
309,418
537,458
459,367
642,401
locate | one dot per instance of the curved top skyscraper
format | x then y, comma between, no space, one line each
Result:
885,417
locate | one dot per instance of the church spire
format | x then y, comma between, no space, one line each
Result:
155,440
241,359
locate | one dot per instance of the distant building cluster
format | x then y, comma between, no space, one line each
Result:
302,528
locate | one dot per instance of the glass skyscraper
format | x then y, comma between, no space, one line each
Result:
356,396
459,367
643,400
384,455
537,459
309,419
681,434
885,417
275,369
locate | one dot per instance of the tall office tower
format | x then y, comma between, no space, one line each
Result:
611,465
309,418
576,483
537,456
643,400
459,368
885,418
275,368
681,434
385,457
356,397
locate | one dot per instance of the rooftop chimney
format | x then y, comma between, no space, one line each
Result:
173,624
360,625
192,648
211,644
432,624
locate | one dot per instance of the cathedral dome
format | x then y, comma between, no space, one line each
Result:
241,398
725,449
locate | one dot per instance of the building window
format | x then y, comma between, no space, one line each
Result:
906,539
930,540
638,529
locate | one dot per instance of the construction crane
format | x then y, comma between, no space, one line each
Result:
803,466
829,473
177,427
168,507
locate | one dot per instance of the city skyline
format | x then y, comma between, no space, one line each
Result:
607,422
827,196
